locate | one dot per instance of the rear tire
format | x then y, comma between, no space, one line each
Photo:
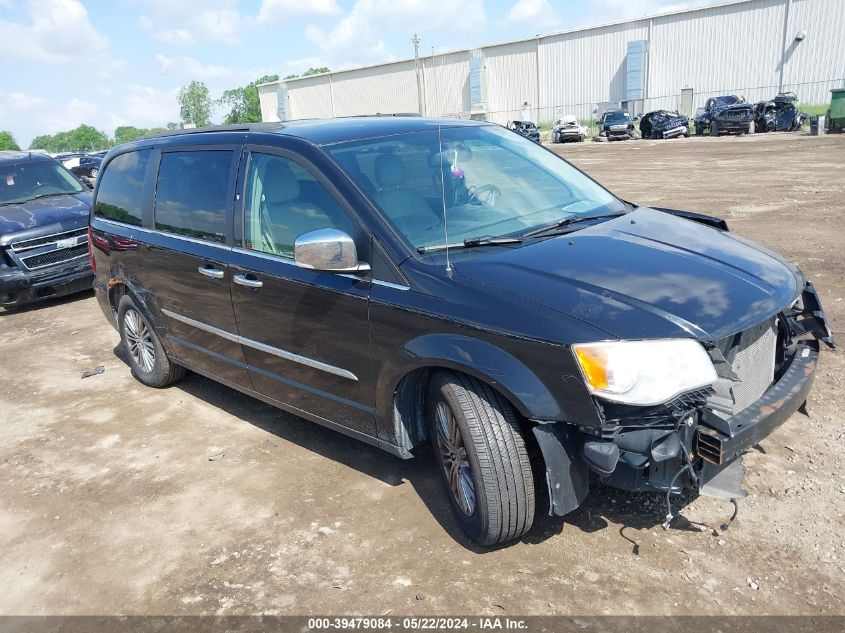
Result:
147,357
478,445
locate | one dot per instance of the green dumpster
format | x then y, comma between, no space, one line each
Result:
836,113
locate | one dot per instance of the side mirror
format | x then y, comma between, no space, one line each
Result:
328,250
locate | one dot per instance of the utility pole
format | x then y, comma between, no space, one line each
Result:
416,42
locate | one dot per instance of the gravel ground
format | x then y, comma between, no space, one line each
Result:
116,498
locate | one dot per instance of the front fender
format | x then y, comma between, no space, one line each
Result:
475,357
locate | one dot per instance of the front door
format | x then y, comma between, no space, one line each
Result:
185,259
305,333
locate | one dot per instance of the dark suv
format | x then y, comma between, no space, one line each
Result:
395,279
43,230
726,114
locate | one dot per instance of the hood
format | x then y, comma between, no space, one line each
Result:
646,274
664,119
55,212
744,108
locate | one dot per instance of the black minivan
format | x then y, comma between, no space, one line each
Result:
408,281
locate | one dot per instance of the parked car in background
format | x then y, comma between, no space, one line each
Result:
87,165
557,326
664,124
725,114
781,114
43,230
765,118
616,125
528,129
567,129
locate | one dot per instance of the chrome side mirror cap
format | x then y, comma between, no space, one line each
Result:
328,250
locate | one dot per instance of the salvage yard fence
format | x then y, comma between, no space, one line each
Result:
813,98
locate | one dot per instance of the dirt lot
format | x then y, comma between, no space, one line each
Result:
109,502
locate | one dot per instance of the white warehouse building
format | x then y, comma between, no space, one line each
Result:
753,48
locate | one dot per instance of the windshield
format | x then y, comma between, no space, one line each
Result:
26,180
726,101
492,183
617,117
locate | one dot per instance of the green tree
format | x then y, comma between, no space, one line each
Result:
85,138
127,133
7,141
243,103
172,125
195,104
311,71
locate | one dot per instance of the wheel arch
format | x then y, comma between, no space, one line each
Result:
121,285
402,386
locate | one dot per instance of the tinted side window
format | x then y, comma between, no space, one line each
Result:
283,201
191,193
121,193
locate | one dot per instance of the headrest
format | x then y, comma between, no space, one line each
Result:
390,171
280,183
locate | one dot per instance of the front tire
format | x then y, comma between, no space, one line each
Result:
147,357
714,128
478,445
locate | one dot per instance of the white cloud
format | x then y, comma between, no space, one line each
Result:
183,69
280,11
537,11
58,31
356,38
137,105
187,22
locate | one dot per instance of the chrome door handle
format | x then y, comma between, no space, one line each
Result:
214,273
243,280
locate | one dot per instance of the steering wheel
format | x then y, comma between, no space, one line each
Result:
485,194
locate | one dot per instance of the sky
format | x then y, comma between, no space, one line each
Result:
121,62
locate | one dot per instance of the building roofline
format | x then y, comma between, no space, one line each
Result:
539,36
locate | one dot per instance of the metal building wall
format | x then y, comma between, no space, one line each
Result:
730,48
310,98
386,89
511,75
268,96
816,64
580,68
445,84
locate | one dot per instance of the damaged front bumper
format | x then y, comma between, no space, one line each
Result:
690,447
20,287
681,130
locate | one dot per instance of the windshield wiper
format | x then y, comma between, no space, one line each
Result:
569,221
51,195
471,242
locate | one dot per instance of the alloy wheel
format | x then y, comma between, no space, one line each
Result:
453,455
139,340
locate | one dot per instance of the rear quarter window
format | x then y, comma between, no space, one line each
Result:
192,193
120,196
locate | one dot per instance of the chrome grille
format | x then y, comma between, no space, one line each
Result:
751,355
46,239
55,257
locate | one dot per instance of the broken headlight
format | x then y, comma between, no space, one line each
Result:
644,372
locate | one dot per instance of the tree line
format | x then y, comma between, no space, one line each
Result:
242,104
196,105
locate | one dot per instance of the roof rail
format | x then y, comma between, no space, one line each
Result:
396,114
237,127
